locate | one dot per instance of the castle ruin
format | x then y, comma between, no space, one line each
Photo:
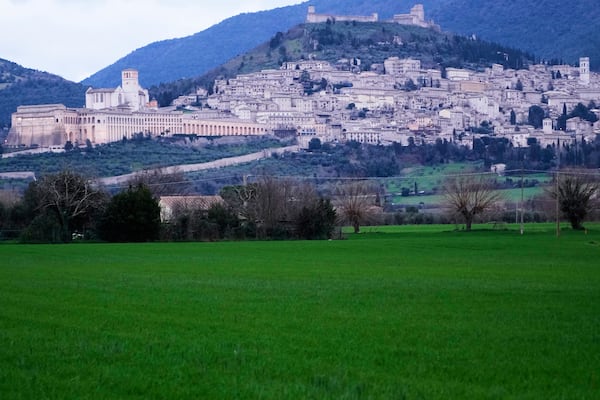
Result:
416,17
314,18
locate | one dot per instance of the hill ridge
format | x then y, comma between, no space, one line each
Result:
561,35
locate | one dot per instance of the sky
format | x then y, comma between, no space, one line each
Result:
76,38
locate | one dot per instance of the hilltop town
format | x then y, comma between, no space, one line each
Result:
397,101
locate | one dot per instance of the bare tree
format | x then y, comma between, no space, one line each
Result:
357,204
576,191
71,198
469,196
277,202
270,202
239,197
273,206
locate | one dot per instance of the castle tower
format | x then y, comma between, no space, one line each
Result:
129,80
584,70
310,17
419,12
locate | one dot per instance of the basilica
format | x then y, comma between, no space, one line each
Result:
113,114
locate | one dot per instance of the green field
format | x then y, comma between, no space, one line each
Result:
510,195
391,313
431,179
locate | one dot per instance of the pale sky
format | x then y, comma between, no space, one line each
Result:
76,38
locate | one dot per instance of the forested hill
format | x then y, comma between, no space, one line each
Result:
371,43
24,86
548,29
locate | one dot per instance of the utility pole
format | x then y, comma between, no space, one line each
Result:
522,196
557,206
556,188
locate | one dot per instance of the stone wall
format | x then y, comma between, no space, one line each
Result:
313,18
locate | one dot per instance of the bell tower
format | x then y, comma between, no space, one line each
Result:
129,80
584,70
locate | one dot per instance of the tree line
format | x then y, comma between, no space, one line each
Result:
66,206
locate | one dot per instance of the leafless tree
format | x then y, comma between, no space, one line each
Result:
270,203
470,196
576,190
71,198
278,201
357,203
239,197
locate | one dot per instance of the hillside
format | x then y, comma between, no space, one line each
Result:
549,28
371,43
540,27
545,29
24,86
191,56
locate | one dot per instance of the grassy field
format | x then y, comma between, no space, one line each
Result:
510,195
430,179
392,313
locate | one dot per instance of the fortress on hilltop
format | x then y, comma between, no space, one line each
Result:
314,18
416,17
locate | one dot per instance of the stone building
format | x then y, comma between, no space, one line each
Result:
313,18
129,94
416,17
113,114
397,66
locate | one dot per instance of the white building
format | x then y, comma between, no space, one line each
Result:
113,114
457,74
416,17
129,94
397,66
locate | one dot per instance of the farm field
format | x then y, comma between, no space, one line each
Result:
393,312
430,179
511,195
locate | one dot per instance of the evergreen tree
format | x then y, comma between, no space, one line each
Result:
519,85
562,120
536,116
316,221
131,216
